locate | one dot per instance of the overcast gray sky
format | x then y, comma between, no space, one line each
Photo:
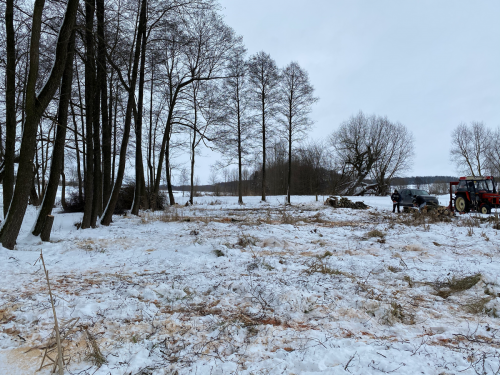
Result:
429,64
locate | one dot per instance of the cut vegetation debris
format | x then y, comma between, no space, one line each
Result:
344,202
238,290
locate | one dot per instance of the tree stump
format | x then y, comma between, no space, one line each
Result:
47,228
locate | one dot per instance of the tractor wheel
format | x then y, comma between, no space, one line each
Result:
485,209
461,204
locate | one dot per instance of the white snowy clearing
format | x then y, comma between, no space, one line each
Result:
219,288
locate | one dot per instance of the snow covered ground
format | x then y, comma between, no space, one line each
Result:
219,288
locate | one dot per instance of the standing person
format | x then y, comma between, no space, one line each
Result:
420,202
396,200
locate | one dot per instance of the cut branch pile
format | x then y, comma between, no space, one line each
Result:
345,203
435,210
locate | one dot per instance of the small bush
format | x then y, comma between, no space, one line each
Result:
375,233
394,269
219,253
397,313
245,240
74,203
445,289
326,254
318,266
408,280
478,305
125,199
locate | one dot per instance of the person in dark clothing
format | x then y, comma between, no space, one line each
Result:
396,200
419,202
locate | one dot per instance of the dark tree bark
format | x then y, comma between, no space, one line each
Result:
264,78
77,148
89,114
110,207
106,124
96,114
10,108
171,198
35,106
139,167
47,228
57,166
150,138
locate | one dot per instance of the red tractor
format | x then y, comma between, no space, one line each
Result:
475,194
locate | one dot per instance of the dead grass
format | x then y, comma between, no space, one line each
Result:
375,233
246,240
218,253
414,218
477,305
397,313
94,354
318,266
455,284
288,217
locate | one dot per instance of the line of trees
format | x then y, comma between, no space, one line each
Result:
98,87
103,88
474,149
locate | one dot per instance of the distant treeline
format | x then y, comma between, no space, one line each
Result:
325,186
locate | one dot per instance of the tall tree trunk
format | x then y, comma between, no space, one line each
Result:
96,121
193,148
106,118
264,182
150,138
240,184
110,207
35,106
64,205
139,167
57,165
10,108
115,126
171,198
89,113
77,148
289,160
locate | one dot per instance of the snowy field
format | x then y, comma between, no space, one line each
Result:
219,288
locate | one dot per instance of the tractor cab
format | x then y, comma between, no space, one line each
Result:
475,194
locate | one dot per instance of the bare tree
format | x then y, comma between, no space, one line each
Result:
396,156
295,101
314,156
57,165
371,146
356,146
36,103
264,80
10,108
493,153
234,137
469,148
198,49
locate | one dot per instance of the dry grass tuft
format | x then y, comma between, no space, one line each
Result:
246,240
325,255
218,253
94,354
318,266
477,305
397,313
446,288
375,233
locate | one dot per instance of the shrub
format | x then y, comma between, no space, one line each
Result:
74,203
456,284
375,233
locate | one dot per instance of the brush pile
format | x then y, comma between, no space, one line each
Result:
345,203
433,210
